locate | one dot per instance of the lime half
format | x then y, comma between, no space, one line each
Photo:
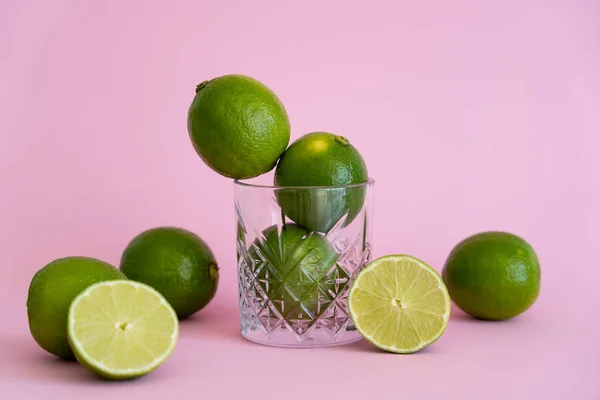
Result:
399,303
121,329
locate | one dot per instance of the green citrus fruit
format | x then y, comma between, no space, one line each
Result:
51,292
399,304
292,266
175,262
238,126
122,329
493,275
321,160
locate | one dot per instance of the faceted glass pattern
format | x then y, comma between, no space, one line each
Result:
293,282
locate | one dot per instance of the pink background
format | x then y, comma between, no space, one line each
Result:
471,116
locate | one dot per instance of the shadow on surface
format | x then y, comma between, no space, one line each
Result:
459,316
24,360
27,361
216,322
364,346
361,346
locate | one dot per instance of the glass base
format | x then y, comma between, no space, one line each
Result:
321,321
318,338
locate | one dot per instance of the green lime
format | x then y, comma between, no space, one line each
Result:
325,162
292,266
493,275
51,292
399,304
238,126
122,329
175,262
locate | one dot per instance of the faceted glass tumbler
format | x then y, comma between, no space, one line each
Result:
299,250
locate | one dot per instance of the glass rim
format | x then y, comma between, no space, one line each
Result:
243,183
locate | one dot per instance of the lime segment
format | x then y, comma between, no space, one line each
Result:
121,329
399,303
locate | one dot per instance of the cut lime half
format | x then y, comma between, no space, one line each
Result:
399,303
121,329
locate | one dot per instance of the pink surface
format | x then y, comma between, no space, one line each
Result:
471,116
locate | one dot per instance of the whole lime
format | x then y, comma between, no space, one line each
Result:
51,292
325,164
238,126
292,266
175,262
493,275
